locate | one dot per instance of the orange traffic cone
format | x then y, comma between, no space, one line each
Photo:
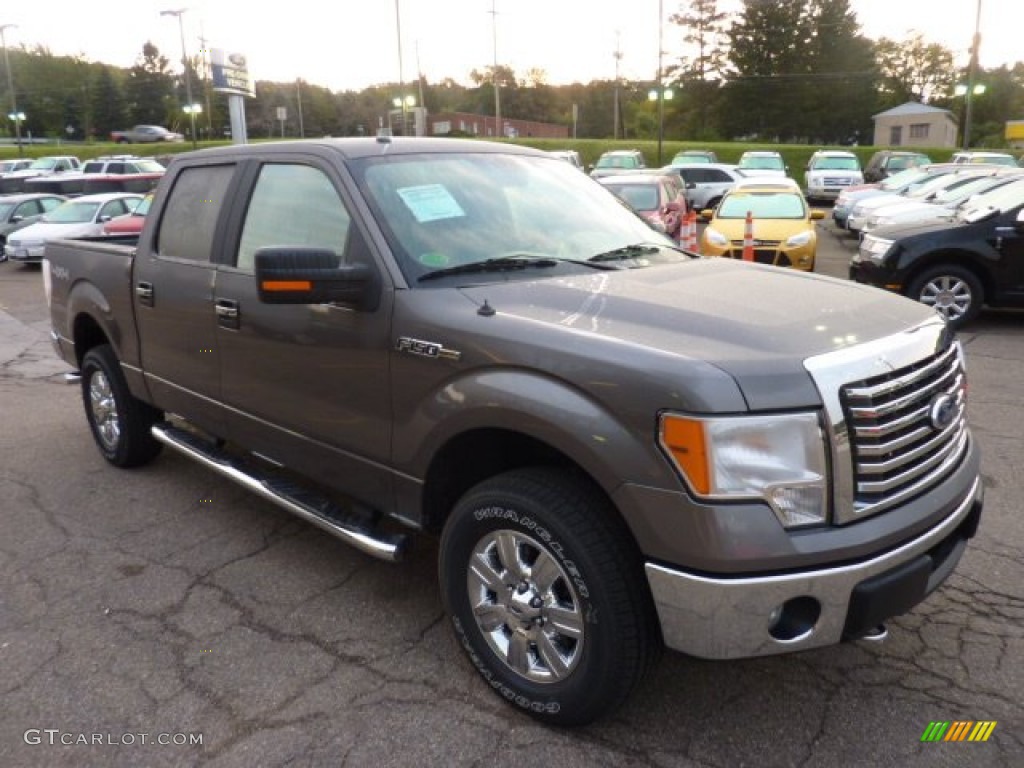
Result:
691,231
748,238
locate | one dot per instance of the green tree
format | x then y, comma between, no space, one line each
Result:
150,87
769,56
914,70
842,92
109,109
697,77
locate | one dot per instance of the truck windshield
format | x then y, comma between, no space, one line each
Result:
441,210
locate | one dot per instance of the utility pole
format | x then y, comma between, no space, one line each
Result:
494,73
401,69
206,82
298,98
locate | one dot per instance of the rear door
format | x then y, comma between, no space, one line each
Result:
306,385
173,281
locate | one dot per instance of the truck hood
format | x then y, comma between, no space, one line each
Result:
756,323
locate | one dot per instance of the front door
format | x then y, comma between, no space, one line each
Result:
305,385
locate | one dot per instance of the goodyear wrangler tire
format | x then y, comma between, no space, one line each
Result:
119,422
546,594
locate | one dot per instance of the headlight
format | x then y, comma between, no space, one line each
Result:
802,238
715,237
881,221
875,248
779,459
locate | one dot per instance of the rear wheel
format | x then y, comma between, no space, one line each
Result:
954,292
546,594
120,423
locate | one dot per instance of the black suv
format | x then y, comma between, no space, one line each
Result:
955,265
889,161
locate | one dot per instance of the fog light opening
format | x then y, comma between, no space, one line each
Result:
794,619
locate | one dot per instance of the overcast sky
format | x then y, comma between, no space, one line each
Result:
351,44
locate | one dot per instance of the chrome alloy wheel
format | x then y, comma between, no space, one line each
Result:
949,295
104,410
526,606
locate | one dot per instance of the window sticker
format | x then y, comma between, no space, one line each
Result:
430,202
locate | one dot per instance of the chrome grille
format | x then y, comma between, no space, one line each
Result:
907,429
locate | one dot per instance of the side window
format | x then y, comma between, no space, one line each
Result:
293,205
50,203
717,176
26,209
115,168
189,220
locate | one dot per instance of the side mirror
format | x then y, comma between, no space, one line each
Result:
314,276
707,214
817,214
17,218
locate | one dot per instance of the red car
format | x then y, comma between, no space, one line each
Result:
131,223
659,198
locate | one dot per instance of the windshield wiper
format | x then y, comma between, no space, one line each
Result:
626,252
506,264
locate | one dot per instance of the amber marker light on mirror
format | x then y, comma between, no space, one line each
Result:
287,285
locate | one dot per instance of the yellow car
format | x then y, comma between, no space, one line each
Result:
783,226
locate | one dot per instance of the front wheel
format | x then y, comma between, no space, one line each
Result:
546,593
120,423
954,292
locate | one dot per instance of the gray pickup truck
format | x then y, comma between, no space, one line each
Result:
621,447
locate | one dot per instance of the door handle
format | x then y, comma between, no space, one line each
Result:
144,292
227,310
227,313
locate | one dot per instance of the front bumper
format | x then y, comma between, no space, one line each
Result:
27,254
723,618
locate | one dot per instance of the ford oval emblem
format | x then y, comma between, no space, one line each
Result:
943,411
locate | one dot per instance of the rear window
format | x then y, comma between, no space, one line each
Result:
188,224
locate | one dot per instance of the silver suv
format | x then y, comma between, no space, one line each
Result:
829,172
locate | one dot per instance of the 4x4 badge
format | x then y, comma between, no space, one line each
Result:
425,348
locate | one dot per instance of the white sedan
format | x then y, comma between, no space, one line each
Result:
79,217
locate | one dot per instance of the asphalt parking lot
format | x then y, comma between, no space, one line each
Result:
164,617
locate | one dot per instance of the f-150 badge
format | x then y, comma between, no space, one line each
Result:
425,348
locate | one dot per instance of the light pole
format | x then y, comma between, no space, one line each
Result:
184,63
971,74
16,116
968,92
404,103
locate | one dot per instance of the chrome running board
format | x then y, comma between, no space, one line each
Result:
356,528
